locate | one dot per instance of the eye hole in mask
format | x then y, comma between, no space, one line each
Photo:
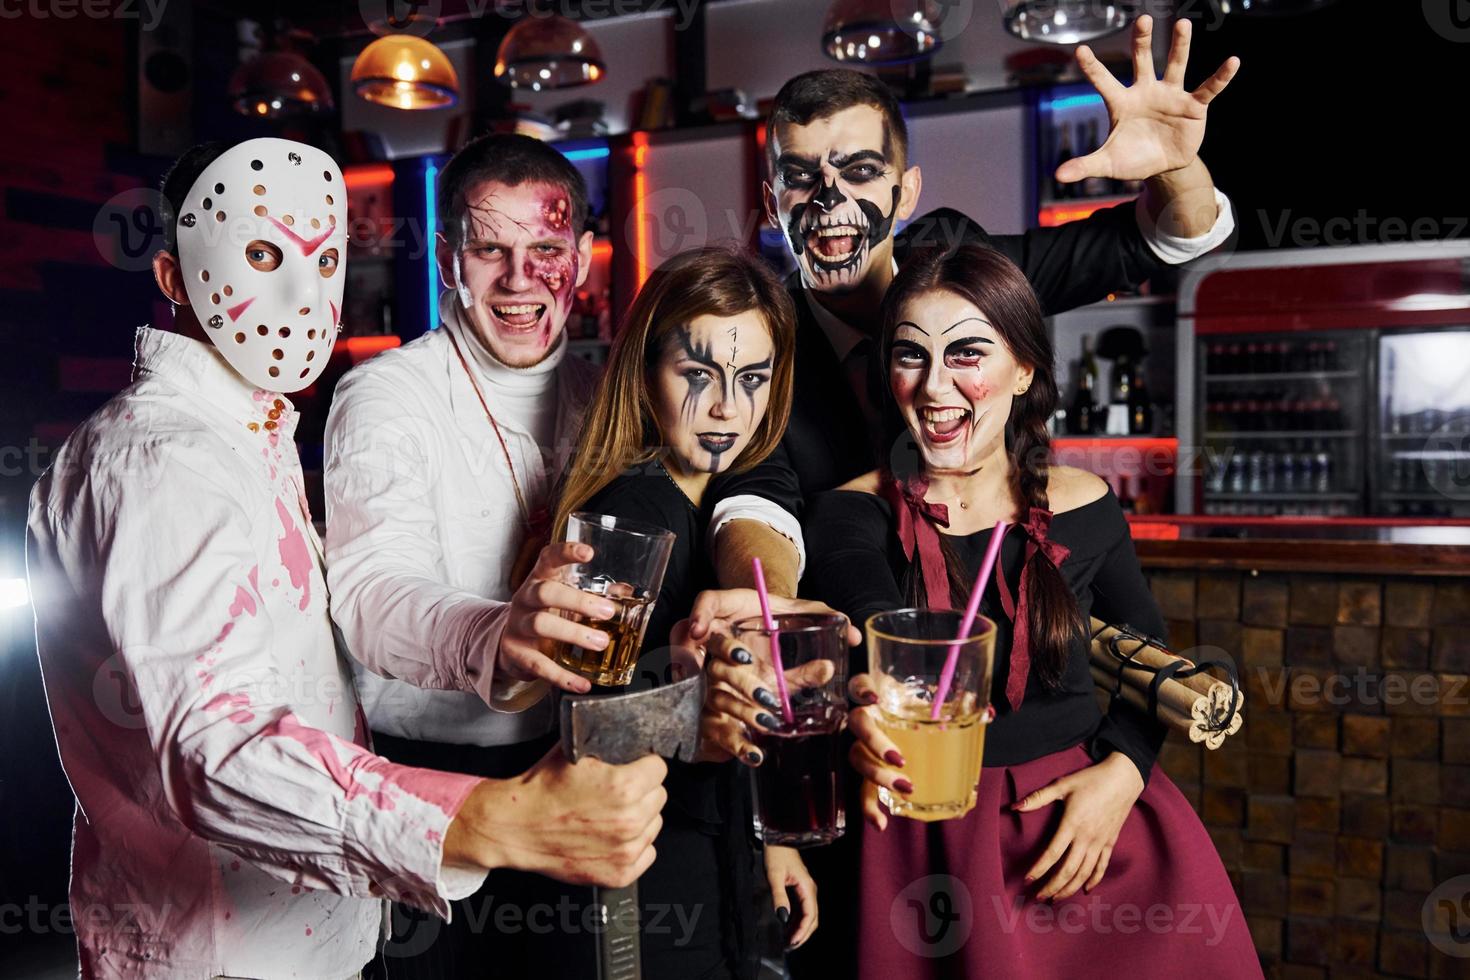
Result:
263,256
327,264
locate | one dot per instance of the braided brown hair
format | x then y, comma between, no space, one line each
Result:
990,281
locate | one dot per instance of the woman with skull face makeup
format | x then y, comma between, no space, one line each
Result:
698,383
1069,800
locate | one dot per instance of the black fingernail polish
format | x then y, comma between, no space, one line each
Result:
754,758
784,914
742,656
766,698
765,721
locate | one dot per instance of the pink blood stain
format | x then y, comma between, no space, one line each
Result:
433,837
435,788
238,701
235,311
308,930
294,555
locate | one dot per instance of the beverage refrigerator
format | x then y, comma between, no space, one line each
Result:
1331,382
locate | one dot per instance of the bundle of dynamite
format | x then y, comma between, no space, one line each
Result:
1173,689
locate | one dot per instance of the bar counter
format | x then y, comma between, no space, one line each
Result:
1346,796
1383,546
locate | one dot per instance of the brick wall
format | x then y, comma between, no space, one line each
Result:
1345,801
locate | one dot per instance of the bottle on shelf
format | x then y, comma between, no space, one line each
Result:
1092,186
1140,412
1082,416
1125,498
1059,190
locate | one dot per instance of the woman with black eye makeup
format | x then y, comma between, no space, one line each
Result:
698,383
1078,851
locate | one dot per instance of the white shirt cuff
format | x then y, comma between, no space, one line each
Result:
1176,250
749,507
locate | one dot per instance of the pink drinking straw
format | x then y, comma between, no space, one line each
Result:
972,608
770,624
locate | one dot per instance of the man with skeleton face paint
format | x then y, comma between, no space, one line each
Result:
206,719
840,182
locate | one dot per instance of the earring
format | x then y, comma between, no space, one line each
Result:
1022,391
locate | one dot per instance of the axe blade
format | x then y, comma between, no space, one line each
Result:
622,728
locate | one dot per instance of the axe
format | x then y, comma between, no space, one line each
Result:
619,729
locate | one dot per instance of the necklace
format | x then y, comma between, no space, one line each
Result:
538,520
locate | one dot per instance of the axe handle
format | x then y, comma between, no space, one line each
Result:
618,954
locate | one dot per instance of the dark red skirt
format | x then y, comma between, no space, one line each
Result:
947,900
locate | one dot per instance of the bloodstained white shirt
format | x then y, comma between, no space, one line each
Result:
230,818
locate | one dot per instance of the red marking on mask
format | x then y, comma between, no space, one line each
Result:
307,246
294,555
235,311
334,312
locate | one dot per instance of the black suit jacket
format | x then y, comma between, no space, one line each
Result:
827,442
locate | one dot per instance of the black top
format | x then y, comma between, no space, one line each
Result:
827,442
856,565
705,857
647,493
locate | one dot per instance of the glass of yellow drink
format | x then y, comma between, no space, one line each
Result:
627,567
907,652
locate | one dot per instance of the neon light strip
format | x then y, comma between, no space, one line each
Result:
1071,102
640,193
595,153
431,225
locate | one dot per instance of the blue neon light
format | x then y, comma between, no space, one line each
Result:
431,226
595,153
1071,102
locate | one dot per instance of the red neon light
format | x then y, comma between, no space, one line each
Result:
361,348
1059,214
367,175
1302,520
1141,443
640,194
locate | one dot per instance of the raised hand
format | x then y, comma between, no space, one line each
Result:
1157,126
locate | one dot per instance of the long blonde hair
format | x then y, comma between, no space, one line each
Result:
620,428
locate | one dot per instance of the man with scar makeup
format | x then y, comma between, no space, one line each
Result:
442,459
840,180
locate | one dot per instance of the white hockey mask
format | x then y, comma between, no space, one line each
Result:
263,246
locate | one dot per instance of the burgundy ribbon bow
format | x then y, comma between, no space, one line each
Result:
916,518
1038,523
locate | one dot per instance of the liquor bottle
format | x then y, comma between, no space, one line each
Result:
1140,412
1092,186
1125,499
1060,190
1082,417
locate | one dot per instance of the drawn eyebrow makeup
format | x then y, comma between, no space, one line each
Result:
842,160
968,319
